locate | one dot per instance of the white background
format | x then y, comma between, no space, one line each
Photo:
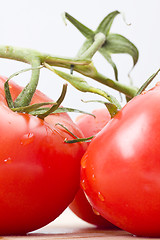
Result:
38,24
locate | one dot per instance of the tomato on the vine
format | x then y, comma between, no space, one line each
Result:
124,159
90,126
39,173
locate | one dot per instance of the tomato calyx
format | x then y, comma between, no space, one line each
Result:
112,108
112,44
38,109
21,103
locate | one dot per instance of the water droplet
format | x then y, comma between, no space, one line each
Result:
27,139
84,161
8,160
100,196
83,184
158,83
95,211
93,177
144,92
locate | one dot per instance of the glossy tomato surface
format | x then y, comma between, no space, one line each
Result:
39,173
124,159
91,125
80,206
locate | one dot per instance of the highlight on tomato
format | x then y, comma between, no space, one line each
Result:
124,160
90,126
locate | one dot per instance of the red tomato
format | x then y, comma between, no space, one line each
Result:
80,205
39,173
124,159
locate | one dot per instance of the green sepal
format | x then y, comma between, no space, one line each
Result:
149,80
73,110
60,124
112,108
6,85
76,138
79,140
8,95
42,112
106,23
83,86
108,57
32,107
59,110
87,32
116,43
54,107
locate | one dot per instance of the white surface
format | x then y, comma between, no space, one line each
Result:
66,220
38,24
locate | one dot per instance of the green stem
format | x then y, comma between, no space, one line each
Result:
20,54
25,97
26,56
90,71
99,40
129,91
84,67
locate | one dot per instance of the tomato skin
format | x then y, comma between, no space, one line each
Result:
125,160
82,208
39,173
80,205
90,125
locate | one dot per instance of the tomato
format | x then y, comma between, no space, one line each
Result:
124,159
39,173
80,205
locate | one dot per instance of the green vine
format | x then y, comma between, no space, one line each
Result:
100,40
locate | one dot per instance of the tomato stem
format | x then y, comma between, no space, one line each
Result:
99,40
25,97
35,58
9,99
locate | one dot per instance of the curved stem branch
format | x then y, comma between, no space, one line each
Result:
25,97
85,67
99,40
90,71
129,91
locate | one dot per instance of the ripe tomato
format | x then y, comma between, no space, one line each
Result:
124,159
39,173
80,205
